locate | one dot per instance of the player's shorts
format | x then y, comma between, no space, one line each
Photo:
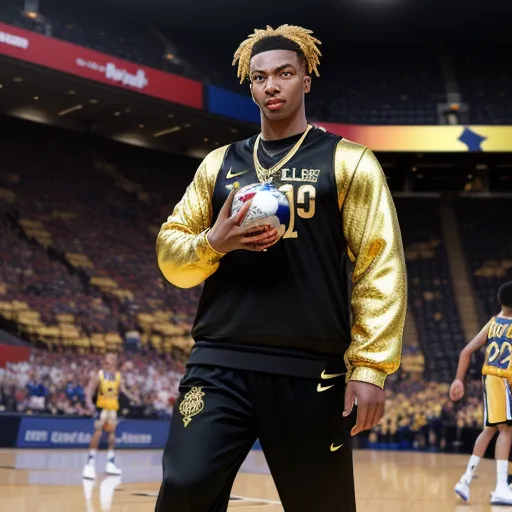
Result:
104,416
497,401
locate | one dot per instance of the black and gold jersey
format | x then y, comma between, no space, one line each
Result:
332,289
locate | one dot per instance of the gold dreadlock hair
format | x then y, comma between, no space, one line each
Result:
300,36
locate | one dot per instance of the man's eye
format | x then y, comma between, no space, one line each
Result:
286,74
258,78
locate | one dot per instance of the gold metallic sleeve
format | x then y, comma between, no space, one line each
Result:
184,255
379,286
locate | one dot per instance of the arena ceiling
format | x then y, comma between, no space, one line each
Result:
336,22
38,94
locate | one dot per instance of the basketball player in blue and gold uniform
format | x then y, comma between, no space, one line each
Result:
290,333
497,379
107,385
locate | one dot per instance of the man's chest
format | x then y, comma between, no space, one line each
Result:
307,179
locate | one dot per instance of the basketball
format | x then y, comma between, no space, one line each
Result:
269,206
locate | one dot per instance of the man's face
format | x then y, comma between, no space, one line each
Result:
278,83
111,361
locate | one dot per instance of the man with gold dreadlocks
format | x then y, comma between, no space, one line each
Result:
290,336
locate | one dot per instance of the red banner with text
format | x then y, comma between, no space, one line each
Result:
99,67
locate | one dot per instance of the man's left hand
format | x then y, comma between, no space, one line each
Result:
370,401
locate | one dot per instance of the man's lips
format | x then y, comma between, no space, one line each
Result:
274,104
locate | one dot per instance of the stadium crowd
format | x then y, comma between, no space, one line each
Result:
55,383
418,413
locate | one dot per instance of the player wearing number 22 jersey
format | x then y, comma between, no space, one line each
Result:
497,372
279,332
496,337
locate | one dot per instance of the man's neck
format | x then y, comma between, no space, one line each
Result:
277,130
506,312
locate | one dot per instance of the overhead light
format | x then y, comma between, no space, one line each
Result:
93,101
170,116
205,139
169,56
141,126
36,97
17,79
72,92
31,14
69,110
117,113
187,125
1,86
168,130
30,113
470,176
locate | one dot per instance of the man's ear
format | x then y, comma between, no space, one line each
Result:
307,84
252,95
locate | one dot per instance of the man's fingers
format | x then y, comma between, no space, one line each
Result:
225,211
380,412
256,230
240,216
267,237
349,401
362,414
373,416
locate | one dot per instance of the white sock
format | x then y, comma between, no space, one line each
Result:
501,474
92,457
111,456
472,465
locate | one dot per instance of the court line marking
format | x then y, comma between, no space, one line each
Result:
256,500
233,496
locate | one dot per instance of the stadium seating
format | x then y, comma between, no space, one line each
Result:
484,83
374,86
80,24
86,222
488,254
431,298
97,218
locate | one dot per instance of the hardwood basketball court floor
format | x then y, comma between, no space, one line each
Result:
50,481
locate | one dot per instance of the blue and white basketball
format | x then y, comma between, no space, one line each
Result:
269,206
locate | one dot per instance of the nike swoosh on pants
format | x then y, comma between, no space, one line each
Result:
321,388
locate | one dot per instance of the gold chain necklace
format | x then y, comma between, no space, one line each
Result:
266,175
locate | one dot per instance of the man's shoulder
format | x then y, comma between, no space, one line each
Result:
349,146
214,159
349,155
216,156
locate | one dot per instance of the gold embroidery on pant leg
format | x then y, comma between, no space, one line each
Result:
192,404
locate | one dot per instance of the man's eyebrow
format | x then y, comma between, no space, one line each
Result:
279,68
